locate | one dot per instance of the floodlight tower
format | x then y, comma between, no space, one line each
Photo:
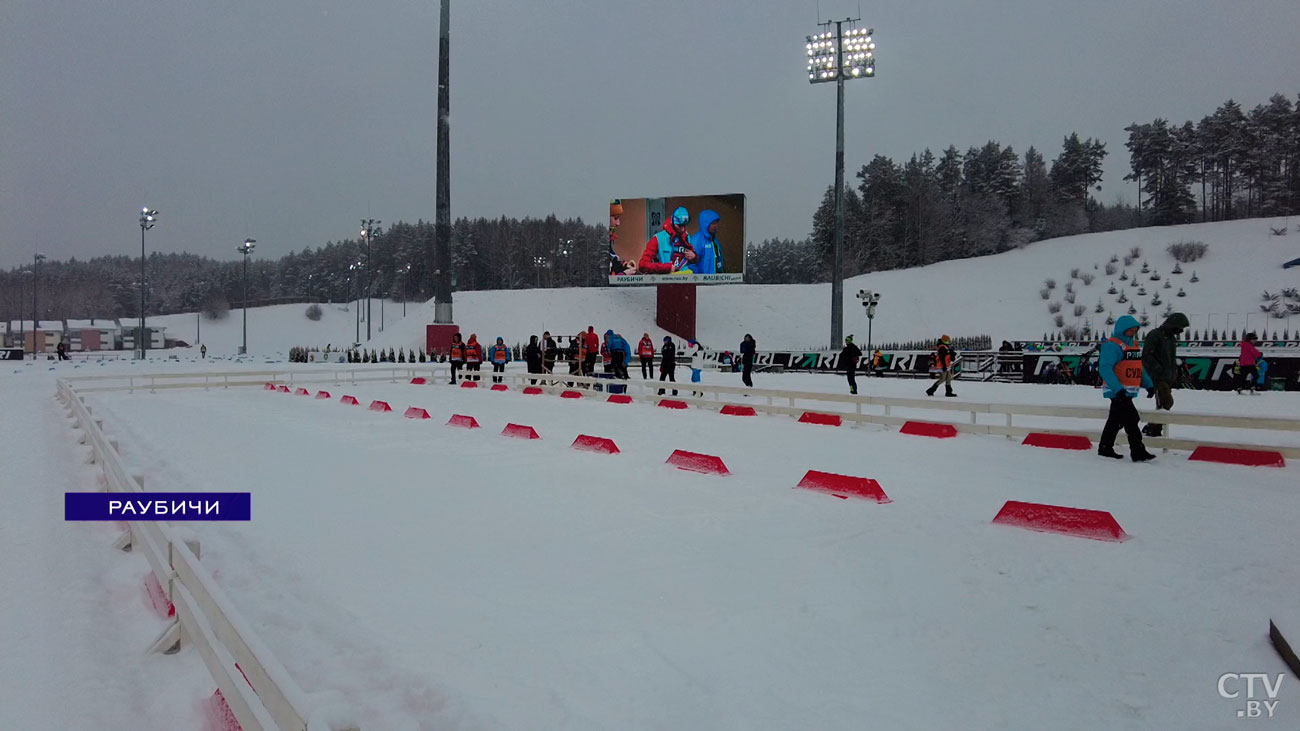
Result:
840,55
148,217
246,248
369,230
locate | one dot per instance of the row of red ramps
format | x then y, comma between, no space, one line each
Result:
1223,455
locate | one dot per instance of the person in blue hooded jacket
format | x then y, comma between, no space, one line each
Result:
619,353
1120,367
708,251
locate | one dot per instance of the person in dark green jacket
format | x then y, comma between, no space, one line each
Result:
1160,361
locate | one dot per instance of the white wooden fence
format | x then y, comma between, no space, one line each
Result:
269,700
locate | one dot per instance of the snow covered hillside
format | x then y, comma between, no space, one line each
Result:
995,295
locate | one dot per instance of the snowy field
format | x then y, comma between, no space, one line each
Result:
441,578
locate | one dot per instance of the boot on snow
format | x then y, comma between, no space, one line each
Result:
1109,452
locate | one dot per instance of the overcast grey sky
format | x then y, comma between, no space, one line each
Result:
290,120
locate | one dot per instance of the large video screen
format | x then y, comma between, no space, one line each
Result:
679,239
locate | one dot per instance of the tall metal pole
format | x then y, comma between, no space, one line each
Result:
837,265
36,278
442,218
369,282
143,345
245,303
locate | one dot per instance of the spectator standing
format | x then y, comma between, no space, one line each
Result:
748,347
645,350
668,363
943,358
848,360
456,356
499,355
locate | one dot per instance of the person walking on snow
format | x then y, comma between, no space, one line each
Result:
1120,366
748,347
1248,362
592,341
695,360
499,355
848,360
1160,362
668,363
645,350
456,356
943,362
548,348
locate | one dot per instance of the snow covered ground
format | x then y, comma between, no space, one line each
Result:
442,578
995,295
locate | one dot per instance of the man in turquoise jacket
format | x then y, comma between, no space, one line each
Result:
1120,367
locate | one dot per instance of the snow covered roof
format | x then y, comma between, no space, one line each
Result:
99,323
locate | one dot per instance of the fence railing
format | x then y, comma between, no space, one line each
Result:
863,409
255,685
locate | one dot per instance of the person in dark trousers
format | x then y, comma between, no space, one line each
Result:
1160,363
943,356
549,351
456,356
1124,378
668,363
849,362
1248,363
592,341
747,349
498,356
203,351
533,357
619,354
473,358
645,350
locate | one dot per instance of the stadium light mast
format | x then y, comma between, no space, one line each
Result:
148,217
442,284
840,55
353,276
246,248
369,230
869,301
36,281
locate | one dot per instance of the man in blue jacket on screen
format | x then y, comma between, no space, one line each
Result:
1120,367
708,251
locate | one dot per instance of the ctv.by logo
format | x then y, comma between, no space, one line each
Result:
1230,689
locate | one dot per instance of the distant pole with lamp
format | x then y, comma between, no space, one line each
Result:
869,301
245,248
148,217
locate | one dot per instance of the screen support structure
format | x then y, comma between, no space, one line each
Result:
675,309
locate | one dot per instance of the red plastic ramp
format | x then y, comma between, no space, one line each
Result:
1058,441
929,429
302,392
696,462
619,398
220,717
380,406
571,394
812,417
462,421
1248,457
323,395
350,400
587,443
415,412
843,486
469,384
500,387
532,391
734,410
1098,525
667,403
158,597
419,381
283,389
268,387
519,431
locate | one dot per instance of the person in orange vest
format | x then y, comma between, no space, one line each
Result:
943,362
456,356
1120,366
499,354
877,362
645,350
473,357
